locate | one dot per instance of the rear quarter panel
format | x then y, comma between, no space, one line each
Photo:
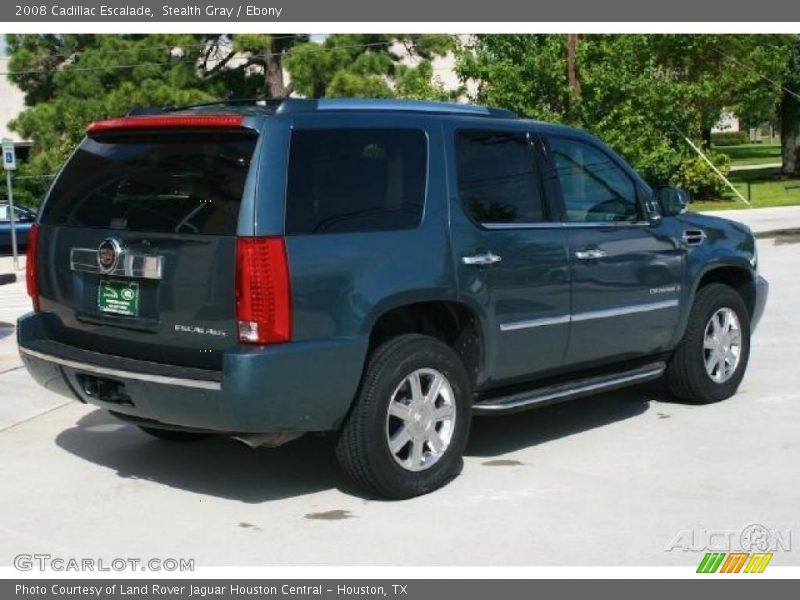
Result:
343,282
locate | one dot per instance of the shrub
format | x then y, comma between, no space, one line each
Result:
696,177
730,138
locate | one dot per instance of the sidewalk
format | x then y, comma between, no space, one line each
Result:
7,268
763,220
14,302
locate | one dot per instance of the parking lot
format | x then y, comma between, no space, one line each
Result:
607,480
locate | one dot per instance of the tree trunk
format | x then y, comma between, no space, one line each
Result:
274,85
790,135
573,78
706,134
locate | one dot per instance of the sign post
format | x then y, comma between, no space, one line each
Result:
10,164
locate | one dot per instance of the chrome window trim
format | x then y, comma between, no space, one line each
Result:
141,266
589,315
161,379
565,225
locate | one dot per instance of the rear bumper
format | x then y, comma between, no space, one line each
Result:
761,293
301,386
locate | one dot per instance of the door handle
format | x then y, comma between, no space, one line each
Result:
590,254
481,259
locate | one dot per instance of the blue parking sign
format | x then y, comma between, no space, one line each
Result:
9,160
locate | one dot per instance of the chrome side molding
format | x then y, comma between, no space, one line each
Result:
590,315
140,266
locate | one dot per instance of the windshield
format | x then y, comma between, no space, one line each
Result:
187,183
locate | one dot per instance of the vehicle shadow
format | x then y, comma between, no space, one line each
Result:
215,466
493,436
224,468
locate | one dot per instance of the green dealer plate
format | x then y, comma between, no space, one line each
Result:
118,297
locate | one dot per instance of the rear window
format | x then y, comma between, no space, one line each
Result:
187,183
352,180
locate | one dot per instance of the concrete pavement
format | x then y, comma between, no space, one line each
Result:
763,220
608,480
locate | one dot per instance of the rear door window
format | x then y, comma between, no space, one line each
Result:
188,183
355,180
497,177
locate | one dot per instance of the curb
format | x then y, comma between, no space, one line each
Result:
774,233
7,278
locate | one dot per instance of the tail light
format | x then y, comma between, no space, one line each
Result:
263,294
30,265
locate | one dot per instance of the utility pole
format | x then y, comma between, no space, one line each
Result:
10,164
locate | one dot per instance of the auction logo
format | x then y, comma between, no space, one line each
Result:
748,550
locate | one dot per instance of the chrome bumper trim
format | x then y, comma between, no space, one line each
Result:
162,379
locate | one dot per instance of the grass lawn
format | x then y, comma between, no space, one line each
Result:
767,188
753,154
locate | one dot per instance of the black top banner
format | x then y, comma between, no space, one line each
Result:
403,11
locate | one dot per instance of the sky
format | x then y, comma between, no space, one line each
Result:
2,44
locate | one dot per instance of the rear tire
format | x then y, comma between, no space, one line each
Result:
701,369
171,435
407,430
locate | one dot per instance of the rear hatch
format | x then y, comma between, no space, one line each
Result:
137,241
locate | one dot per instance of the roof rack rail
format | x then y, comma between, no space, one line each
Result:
306,105
297,105
270,104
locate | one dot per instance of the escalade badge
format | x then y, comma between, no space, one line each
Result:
108,253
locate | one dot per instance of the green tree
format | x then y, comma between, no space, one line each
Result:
640,93
368,65
71,80
790,112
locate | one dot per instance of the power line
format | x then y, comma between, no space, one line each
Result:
756,72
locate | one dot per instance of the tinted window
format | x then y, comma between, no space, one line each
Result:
347,180
594,187
497,178
183,184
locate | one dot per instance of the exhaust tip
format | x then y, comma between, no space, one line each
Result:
267,440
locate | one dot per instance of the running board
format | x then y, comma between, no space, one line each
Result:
567,391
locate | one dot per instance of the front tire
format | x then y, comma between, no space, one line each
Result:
407,430
710,361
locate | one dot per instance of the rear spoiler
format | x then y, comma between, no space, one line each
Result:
167,122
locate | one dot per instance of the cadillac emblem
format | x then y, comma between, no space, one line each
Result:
108,253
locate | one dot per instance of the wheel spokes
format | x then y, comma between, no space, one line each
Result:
415,386
400,410
435,442
420,419
399,440
434,389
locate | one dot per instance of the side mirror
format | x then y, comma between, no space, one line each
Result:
671,201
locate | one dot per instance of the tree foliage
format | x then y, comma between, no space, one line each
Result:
369,65
71,80
640,93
